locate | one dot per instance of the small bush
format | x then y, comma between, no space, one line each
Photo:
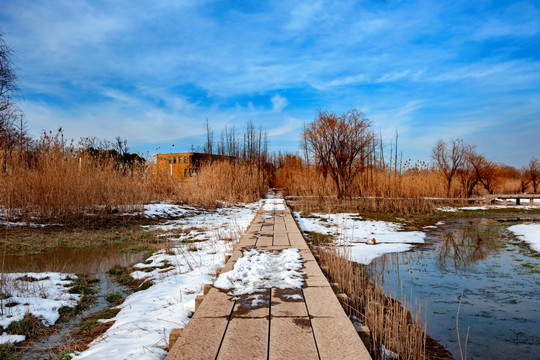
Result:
80,289
145,285
320,239
114,297
30,326
118,270
7,352
125,279
89,324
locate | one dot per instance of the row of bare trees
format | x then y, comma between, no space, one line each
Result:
248,148
345,149
458,160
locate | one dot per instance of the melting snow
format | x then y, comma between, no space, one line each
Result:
199,240
274,205
11,339
163,210
40,294
350,229
258,271
529,232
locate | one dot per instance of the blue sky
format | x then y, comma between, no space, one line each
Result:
153,71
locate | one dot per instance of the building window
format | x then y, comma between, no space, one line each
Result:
185,159
185,172
169,160
174,160
179,159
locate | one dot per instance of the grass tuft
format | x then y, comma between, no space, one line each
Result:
30,326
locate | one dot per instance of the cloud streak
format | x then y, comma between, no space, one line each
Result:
152,72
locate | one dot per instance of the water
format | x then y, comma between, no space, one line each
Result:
498,275
94,262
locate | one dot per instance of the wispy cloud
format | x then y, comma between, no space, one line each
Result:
303,14
290,124
152,72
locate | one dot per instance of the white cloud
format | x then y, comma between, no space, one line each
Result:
303,14
279,103
290,124
393,76
348,80
474,71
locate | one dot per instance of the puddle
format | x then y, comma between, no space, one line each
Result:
94,262
498,275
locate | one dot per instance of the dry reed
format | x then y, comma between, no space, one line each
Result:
57,182
392,326
224,181
414,190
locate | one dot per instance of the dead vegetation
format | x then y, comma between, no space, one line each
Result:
393,328
54,181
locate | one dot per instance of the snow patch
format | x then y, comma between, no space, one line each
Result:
164,210
349,229
24,223
529,232
259,270
11,339
141,329
274,205
40,294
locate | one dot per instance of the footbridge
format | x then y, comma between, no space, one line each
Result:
298,323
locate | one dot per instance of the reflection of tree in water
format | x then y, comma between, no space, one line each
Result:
464,246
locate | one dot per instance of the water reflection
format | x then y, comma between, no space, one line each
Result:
464,246
497,274
93,260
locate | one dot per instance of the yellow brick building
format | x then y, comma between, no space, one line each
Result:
182,165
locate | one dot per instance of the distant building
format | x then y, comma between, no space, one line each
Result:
183,165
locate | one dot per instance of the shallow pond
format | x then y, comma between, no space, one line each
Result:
94,262
498,275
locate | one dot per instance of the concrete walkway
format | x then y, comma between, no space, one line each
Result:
310,326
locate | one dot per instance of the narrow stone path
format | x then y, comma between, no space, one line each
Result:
306,323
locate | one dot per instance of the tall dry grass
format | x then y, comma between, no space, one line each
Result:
391,324
224,181
387,193
61,184
57,181
417,189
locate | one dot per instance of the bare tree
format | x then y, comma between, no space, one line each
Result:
534,173
209,145
449,158
467,178
12,129
120,145
524,179
340,145
484,170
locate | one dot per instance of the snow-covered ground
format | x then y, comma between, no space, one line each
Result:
528,232
525,205
39,294
24,223
351,230
259,270
274,205
198,242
